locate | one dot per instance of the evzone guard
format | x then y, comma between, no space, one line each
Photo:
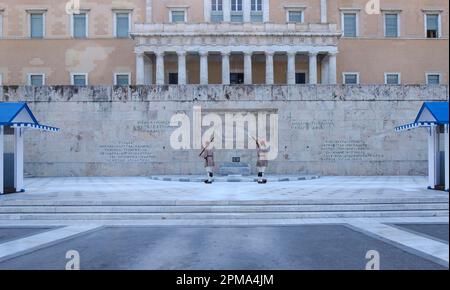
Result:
262,161
208,154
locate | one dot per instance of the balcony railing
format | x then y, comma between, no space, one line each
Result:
152,29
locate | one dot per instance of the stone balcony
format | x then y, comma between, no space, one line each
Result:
235,29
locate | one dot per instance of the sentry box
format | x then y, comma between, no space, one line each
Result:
15,119
434,117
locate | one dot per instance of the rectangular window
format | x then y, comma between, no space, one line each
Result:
177,16
392,79
432,25
350,24
122,25
256,11
351,79
36,79
79,80
391,21
236,78
295,16
122,80
300,78
173,78
433,79
36,25
80,26
216,10
236,11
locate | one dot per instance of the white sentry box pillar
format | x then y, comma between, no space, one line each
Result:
447,157
18,159
433,157
1,161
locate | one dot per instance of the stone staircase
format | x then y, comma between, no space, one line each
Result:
221,209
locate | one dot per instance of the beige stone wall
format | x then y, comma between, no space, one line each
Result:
326,130
102,55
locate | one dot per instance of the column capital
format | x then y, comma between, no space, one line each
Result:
291,53
332,53
312,53
269,53
225,53
159,53
248,52
203,53
181,53
139,53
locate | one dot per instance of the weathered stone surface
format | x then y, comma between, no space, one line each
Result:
323,129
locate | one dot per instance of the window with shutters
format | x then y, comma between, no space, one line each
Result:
122,24
80,25
391,25
350,78
37,27
216,10
432,25
350,24
236,11
392,78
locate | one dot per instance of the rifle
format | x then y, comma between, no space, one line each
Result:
204,148
257,143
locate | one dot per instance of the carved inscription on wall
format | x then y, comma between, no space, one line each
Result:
126,152
311,125
348,150
155,127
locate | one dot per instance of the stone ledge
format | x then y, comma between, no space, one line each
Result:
225,93
197,178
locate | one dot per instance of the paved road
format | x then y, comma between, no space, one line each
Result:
264,247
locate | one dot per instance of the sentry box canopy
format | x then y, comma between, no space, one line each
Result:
434,117
15,118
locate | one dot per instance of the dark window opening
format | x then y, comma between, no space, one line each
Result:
173,78
236,78
300,78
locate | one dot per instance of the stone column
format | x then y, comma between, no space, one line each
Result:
269,68
332,68
313,68
140,73
225,68
18,159
203,67
291,68
324,70
226,8
323,11
181,67
246,7
159,68
248,77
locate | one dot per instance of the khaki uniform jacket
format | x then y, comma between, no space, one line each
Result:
208,155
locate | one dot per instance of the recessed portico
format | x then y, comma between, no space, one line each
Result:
224,54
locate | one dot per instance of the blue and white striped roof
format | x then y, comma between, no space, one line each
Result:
412,126
430,113
19,115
